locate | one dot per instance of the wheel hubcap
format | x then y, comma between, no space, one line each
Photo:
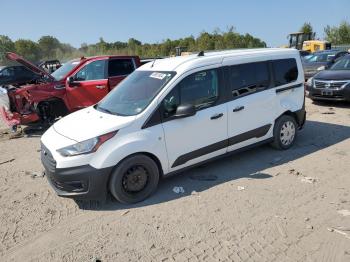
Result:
287,133
135,179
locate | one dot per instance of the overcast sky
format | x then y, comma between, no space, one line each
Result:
78,21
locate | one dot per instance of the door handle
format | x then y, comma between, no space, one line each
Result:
100,86
216,116
238,108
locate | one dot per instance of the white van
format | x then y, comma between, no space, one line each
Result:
172,114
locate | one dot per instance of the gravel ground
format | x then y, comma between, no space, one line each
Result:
261,205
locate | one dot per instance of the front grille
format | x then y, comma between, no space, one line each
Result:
328,96
47,159
334,85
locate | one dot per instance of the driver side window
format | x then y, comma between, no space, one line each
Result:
199,89
93,71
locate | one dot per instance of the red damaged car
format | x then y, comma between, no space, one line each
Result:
76,84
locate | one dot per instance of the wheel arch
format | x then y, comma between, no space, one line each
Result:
150,155
59,105
288,113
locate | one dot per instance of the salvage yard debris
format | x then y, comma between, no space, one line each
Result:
339,232
34,174
178,190
344,212
7,161
308,179
240,188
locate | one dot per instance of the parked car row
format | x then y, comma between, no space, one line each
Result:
172,114
332,83
319,61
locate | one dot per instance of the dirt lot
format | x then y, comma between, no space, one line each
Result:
261,205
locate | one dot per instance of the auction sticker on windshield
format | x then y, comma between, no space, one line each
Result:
158,75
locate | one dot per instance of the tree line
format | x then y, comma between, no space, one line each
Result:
49,47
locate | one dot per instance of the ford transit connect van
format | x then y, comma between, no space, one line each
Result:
172,114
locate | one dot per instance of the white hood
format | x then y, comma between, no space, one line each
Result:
88,123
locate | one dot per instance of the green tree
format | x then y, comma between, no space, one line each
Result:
6,45
205,41
28,49
48,45
306,28
338,35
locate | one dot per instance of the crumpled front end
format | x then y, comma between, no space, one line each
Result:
16,109
14,118
9,118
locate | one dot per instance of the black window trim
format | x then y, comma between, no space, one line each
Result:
219,100
225,89
230,84
157,116
274,76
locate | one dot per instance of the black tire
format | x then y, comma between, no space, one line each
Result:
127,183
284,124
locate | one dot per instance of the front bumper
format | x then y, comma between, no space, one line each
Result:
336,95
14,118
81,182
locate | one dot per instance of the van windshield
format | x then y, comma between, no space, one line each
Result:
61,72
134,93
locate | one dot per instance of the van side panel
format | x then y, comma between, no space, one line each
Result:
126,143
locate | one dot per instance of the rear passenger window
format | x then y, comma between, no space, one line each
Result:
199,89
249,78
285,70
120,67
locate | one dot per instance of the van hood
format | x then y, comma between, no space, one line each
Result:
29,65
89,123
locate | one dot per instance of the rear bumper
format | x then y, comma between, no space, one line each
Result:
301,116
81,182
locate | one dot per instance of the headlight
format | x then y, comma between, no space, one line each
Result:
321,68
87,146
310,82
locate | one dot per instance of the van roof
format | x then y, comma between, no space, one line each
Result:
212,57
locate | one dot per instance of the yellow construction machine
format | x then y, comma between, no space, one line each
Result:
307,42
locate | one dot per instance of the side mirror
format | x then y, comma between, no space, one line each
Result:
185,110
71,81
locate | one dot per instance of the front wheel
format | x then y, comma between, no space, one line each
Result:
134,179
284,132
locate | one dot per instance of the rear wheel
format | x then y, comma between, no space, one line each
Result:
284,132
134,179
